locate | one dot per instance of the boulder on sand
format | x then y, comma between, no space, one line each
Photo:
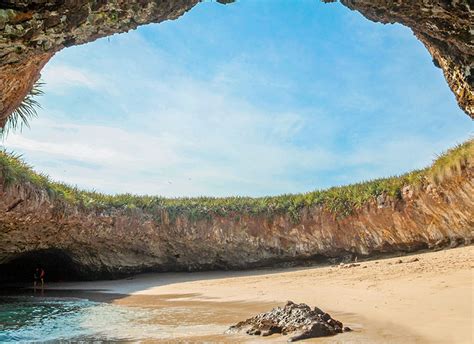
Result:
299,320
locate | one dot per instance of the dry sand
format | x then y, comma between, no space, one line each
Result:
423,298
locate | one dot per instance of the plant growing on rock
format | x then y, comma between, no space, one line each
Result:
26,111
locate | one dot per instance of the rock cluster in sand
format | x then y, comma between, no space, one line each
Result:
299,320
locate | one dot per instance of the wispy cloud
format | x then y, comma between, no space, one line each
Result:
60,77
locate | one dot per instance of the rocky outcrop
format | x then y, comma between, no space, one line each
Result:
32,31
298,320
113,241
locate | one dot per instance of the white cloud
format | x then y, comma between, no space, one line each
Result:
60,77
192,141
72,150
108,146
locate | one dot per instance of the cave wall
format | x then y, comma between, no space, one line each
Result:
31,32
117,241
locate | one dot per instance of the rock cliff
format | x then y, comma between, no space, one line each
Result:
77,241
31,32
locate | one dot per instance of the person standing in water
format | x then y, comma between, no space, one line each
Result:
42,273
38,277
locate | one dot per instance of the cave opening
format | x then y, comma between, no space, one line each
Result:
57,264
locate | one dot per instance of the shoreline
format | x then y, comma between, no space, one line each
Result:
421,298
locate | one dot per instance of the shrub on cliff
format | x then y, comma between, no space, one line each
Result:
341,200
26,111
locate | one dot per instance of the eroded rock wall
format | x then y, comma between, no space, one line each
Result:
33,31
115,241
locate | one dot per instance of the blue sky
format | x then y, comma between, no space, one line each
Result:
253,98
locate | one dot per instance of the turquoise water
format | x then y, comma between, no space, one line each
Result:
34,318
38,318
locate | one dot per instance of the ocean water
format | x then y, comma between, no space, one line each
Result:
32,318
41,319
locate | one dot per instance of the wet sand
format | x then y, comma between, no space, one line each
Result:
423,298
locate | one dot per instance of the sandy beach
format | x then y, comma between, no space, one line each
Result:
422,298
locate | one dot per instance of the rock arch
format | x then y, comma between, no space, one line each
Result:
31,32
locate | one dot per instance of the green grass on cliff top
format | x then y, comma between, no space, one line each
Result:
341,201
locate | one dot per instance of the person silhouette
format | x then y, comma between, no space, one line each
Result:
42,274
38,277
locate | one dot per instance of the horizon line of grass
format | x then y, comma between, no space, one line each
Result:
339,200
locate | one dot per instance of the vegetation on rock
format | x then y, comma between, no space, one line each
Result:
341,200
27,110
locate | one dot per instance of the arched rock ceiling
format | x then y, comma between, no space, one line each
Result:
32,31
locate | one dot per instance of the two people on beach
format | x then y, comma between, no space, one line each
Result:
38,277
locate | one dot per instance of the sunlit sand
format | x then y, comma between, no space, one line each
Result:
423,298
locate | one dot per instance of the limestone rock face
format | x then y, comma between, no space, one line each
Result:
94,244
33,31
